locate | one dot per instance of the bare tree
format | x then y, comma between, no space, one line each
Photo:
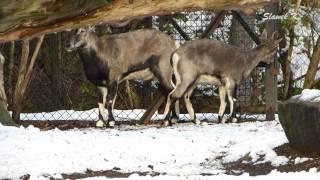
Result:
313,67
5,117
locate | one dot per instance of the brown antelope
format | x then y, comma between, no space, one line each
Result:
216,63
111,59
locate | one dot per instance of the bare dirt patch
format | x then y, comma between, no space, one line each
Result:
238,167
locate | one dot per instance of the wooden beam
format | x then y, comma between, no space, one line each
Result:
41,18
215,21
271,69
179,29
250,32
145,119
244,24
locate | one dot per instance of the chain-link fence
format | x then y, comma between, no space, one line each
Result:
59,89
300,48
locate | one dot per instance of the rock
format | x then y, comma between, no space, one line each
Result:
300,119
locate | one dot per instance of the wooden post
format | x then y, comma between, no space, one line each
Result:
145,119
215,21
178,28
271,70
24,76
251,33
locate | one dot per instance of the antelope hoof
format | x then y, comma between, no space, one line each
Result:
234,120
166,123
100,123
223,120
174,120
111,124
196,121
204,123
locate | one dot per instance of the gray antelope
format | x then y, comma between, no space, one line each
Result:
111,59
217,63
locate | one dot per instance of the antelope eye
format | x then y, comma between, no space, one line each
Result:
80,31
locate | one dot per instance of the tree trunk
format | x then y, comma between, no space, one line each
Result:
313,66
24,76
10,65
22,19
5,118
287,72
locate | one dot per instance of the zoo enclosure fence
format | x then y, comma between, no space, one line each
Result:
60,91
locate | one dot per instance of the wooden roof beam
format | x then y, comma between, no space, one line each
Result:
56,17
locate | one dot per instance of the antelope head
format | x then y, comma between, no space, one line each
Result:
84,38
268,46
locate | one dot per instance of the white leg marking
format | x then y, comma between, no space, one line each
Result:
167,108
234,120
222,95
111,123
102,110
231,104
166,123
230,88
100,123
101,106
189,105
175,62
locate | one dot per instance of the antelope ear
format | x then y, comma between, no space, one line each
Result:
80,30
275,35
91,29
264,35
278,41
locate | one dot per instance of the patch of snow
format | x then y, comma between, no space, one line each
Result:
308,95
184,149
299,160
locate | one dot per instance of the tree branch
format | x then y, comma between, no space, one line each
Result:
49,17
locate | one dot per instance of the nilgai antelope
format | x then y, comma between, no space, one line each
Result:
216,63
111,59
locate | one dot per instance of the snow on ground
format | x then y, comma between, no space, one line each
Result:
182,151
308,95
